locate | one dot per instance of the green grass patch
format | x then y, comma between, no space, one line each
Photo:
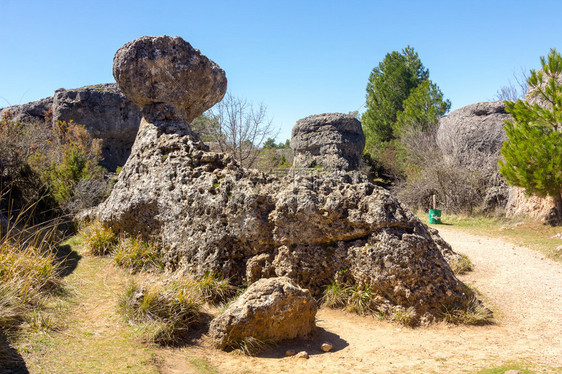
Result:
203,366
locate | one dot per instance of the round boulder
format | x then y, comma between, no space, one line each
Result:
330,140
270,310
168,78
473,135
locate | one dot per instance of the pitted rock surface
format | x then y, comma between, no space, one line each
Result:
271,310
168,78
213,216
473,135
331,140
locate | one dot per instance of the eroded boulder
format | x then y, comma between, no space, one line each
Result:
31,112
168,78
331,140
270,310
473,135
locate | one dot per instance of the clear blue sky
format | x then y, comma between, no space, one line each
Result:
297,57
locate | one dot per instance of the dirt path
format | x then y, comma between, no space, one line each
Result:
522,287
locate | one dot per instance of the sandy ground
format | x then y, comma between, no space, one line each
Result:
522,287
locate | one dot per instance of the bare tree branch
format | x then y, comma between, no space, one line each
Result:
238,127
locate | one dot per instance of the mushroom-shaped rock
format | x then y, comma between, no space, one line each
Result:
331,140
270,310
213,216
168,78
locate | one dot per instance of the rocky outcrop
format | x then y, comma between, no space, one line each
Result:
270,310
32,112
332,140
473,135
102,109
213,216
521,205
106,114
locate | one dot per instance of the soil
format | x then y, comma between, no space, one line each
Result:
521,286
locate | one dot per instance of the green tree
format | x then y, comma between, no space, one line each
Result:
269,144
389,86
533,152
421,110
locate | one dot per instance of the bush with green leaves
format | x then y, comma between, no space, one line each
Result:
53,168
401,101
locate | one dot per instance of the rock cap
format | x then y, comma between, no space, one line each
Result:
168,78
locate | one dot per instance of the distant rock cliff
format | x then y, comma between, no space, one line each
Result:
105,112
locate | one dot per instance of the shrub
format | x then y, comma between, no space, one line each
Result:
335,296
99,239
43,165
357,299
164,312
360,299
137,254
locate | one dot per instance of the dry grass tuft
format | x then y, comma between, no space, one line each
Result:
137,254
164,312
462,266
473,312
29,275
99,239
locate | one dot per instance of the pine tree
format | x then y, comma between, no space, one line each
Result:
389,85
422,110
533,152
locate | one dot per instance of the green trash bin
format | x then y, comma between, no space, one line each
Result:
434,216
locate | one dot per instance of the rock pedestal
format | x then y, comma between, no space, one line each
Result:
334,141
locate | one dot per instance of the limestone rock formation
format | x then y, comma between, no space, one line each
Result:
213,216
106,114
270,310
473,135
168,78
332,140
521,205
31,112
103,110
